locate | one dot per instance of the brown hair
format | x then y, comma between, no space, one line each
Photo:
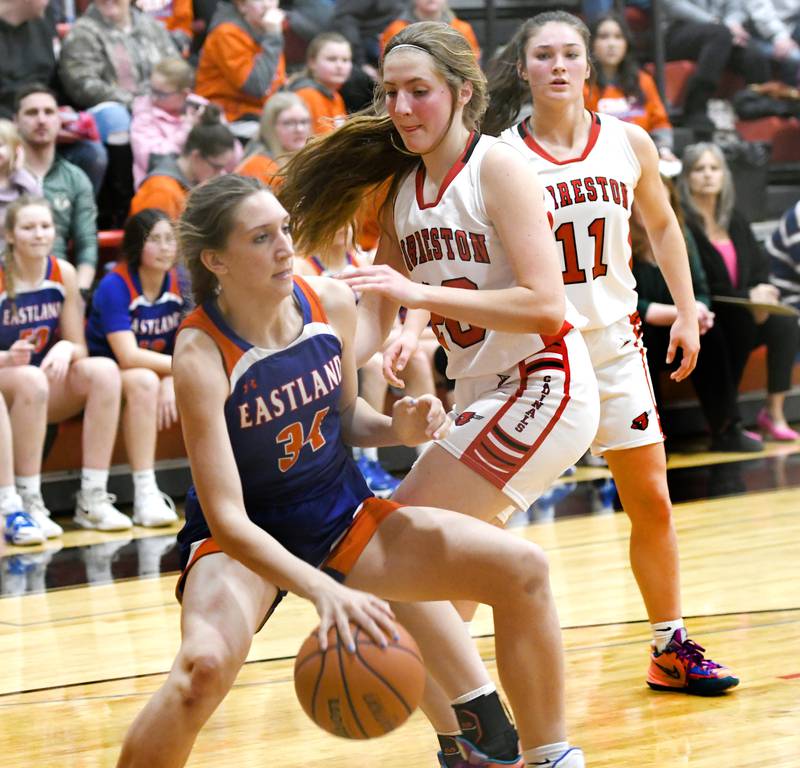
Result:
507,90
24,201
209,136
327,180
206,222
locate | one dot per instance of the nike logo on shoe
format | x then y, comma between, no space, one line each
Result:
674,673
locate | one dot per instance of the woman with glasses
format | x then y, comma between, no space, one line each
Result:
284,128
208,151
135,314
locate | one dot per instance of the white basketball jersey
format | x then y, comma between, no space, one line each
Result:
590,198
450,241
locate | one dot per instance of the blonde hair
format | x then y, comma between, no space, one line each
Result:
12,212
328,179
266,141
176,72
10,137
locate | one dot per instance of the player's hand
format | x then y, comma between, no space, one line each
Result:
416,420
56,362
19,353
685,333
338,605
167,410
396,355
272,20
384,280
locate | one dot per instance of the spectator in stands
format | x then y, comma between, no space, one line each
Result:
714,379
361,22
106,61
65,185
737,267
429,10
285,127
783,247
770,33
329,62
163,118
242,61
15,179
622,88
41,304
135,314
176,15
27,35
695,30
208,151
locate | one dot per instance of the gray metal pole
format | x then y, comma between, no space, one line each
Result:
656,17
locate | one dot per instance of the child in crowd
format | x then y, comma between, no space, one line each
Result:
329,61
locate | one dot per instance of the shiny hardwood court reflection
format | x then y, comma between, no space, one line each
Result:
77,663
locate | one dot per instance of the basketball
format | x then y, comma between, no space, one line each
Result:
359,695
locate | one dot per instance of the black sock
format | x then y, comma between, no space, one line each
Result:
450,750
484,722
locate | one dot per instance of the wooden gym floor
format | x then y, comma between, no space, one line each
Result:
89,626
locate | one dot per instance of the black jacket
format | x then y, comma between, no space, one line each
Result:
751,259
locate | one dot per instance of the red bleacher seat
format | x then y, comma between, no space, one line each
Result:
783,133
108,244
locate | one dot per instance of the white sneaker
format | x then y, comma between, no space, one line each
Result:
572,758
153,508
34,506
20,529
95,509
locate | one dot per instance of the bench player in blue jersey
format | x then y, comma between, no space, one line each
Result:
40,304
266,386
136,311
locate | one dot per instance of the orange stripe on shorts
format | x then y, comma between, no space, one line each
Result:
208,547
346,553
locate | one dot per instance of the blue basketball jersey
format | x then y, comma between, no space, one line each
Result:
119,304
33,314
298,479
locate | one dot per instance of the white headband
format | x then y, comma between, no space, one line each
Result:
407,45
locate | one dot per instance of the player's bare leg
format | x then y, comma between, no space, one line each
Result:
223,605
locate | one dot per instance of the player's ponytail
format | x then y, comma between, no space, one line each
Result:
328,179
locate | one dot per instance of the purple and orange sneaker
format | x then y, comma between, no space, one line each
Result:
476,759
682,667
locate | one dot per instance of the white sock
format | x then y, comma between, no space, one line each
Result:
29,486
144,480
546,754
484,690
663,631
94,479
9,499
371,454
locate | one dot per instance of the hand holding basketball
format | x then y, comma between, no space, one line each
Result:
338,606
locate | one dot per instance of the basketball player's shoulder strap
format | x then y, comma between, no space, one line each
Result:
231,349
313,311
124,272
54,270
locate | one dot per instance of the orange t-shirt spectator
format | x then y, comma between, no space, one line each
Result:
329,61
285,127
208,151
242,61
430,10
622,88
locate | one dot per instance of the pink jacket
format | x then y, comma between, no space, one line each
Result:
154,131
